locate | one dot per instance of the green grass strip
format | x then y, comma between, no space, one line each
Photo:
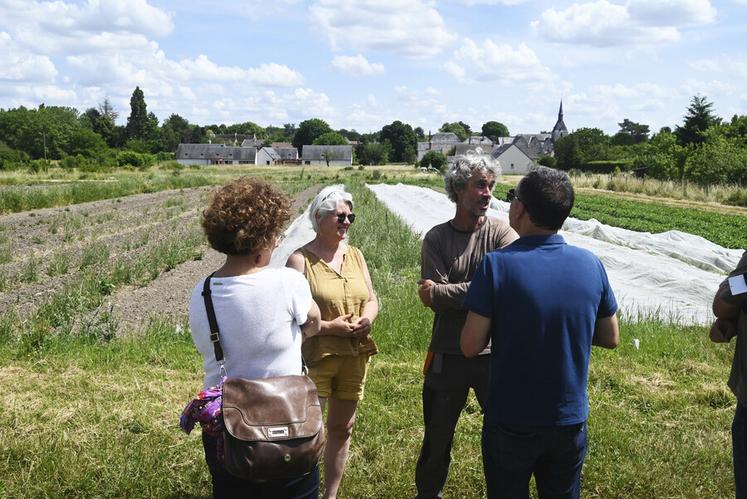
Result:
29,197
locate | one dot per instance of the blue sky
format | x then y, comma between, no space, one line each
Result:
361,64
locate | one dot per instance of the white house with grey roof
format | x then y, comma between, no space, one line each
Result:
321,155
215,154
512,159
268,156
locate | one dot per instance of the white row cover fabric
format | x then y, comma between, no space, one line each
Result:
671,276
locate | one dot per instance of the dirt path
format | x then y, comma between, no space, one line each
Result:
168,295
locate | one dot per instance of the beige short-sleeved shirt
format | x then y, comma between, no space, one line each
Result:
337,293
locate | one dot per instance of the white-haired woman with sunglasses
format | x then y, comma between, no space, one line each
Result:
338,356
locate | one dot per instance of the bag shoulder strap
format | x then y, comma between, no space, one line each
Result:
212,321
215,334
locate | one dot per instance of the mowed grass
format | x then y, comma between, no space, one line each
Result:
87,415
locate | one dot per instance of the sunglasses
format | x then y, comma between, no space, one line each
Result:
342,216
511,195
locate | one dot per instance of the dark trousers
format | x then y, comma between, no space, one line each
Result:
227,486
445,391
555,455
739,450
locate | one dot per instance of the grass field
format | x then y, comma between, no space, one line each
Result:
92,415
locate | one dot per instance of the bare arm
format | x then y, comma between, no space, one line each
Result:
475,334
312,326
296,262
606,332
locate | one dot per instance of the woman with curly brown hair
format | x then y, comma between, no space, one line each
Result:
337,357
263,313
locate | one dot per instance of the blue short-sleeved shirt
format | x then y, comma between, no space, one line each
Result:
544,298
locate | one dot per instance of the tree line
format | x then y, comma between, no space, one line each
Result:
92,139
704,149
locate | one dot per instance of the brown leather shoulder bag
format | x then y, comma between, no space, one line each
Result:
273,426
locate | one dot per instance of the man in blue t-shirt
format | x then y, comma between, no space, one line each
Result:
543,304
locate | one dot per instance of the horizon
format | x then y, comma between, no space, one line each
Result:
362,65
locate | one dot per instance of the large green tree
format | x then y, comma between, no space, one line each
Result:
630,133
698,119
308,131
138,124
373,153
402,141
580,147
330,139
42,132
494,129
457,128
434,159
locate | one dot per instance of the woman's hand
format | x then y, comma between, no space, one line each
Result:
339,326
361,327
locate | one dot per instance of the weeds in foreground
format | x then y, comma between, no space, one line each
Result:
6,249
30,271
59,264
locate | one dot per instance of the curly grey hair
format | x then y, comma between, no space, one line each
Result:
459,173
326,202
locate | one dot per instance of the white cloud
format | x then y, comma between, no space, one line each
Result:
727,67
496,62
671,12
604,106
275,75
92,16
356,65
17,64
602,23
408,27
105,51
492,2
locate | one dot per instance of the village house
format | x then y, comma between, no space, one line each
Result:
321,155
215,154
516,154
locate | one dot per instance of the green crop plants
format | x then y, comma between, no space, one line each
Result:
59,264
30,270
6,249
94,255
728,230
16,198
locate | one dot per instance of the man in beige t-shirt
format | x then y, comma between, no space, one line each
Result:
450,255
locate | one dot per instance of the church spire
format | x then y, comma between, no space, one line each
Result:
559,130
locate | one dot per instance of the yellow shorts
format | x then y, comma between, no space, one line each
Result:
340,376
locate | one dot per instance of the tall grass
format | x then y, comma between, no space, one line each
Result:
27,197
723,194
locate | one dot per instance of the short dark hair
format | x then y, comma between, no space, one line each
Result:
547,195
245,215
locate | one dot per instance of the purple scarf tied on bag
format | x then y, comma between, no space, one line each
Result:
205,409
